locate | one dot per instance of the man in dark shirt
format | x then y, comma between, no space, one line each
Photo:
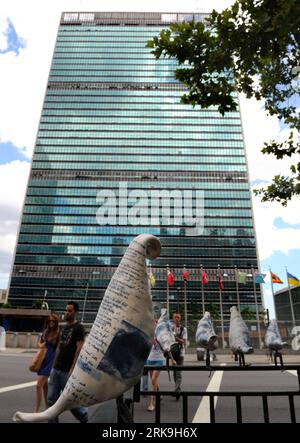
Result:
180,332
70,343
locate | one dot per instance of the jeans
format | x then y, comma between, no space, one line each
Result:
178,374
145,382
57,381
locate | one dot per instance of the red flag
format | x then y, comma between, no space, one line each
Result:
185,276
170,278
204,277
221,286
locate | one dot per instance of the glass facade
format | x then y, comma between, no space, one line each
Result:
283,299
112,124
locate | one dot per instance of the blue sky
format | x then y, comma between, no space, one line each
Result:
27,41
13,41
10,152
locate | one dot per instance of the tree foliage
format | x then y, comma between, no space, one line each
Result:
5,306
213,309
252,47
263,315
248,314
37,304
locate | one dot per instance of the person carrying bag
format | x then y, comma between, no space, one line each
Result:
38,359
43,360
178,350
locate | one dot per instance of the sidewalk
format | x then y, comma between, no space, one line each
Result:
223,356
19,351
258,357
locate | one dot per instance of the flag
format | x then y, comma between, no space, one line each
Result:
292,280
241,277
151,279
170,278
275,279
221,286
259,278
185,276
204,277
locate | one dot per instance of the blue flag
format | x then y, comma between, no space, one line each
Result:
292,280
259,278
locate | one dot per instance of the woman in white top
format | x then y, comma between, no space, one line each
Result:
156,358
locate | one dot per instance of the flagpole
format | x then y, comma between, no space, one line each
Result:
291,299
168,311
150,286
45,304
273,292
221,310
185,305
256,308
237,289
202,292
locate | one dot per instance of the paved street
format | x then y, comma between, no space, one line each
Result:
17,392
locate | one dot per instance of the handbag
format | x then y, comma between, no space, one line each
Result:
37,361
176,351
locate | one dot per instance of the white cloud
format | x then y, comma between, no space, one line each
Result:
260,128
269,302
23,82
7,242
271,238
13,180
3,39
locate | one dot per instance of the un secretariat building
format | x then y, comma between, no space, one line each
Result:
114,148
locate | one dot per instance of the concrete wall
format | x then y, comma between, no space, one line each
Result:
3,296
22,339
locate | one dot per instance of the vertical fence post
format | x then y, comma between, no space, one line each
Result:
185,408
265,407
292,409
238,409
157,407
212,408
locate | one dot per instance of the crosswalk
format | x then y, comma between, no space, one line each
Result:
19,386
200,410
203,412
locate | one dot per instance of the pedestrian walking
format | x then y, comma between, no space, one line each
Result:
70,343
49,340
178,351
156,358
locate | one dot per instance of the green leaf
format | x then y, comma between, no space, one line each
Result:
252,47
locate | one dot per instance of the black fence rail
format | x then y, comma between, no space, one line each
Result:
238,395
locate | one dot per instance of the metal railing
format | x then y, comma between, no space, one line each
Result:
238,395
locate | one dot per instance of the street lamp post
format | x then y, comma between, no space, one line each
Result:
185,302
45,304
86,286
86,294
178,298
84,303
221,308
256,308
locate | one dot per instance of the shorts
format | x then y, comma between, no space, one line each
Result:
155,362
